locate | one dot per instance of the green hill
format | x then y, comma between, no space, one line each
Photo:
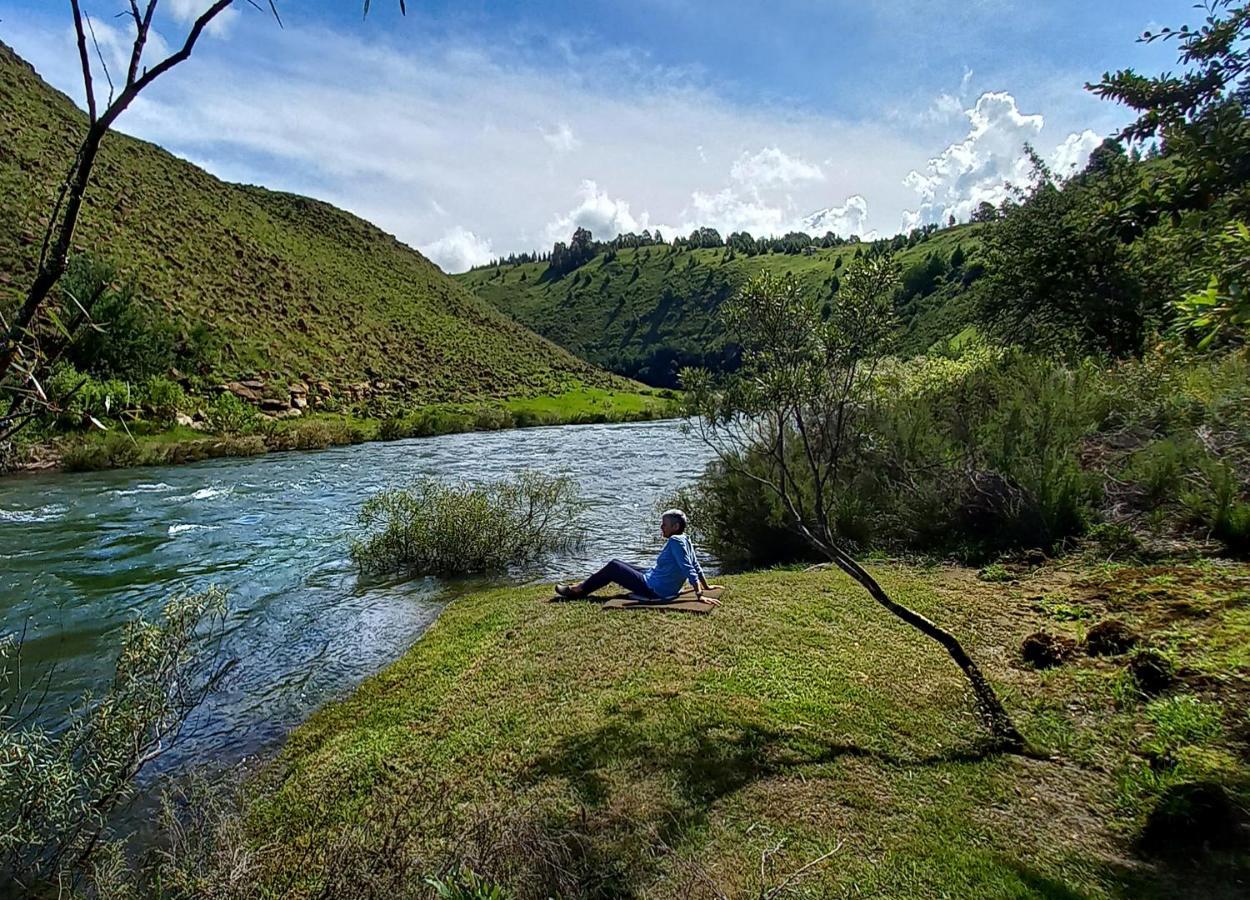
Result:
646,312
291,288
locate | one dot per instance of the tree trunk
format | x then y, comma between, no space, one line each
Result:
57,260
989,706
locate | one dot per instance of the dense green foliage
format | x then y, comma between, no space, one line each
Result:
1102,260
260,282
650,310
433,528
994,453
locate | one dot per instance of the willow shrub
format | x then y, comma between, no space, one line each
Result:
59,786
435,528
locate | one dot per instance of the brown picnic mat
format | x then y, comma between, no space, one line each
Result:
683,602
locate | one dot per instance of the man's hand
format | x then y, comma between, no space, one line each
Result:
710,601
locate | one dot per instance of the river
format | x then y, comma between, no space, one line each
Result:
82,554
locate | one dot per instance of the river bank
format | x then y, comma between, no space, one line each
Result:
141,445
83,554
797,737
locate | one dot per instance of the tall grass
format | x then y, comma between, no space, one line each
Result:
434,528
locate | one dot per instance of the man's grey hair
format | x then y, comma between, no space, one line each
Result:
676,516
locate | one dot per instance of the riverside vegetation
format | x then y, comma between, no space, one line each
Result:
1079,432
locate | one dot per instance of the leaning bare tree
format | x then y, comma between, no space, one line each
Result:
790,418
24,357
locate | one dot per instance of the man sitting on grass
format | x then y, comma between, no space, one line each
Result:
676,564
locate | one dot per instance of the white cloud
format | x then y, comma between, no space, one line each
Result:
727,211
383,129
458,250
115,46
1074,152
187,11
562,140
850,218
987,162
771,166
598,213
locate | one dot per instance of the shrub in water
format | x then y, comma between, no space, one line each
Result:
59,787
434,528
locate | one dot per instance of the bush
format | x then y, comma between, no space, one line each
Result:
997,452
130,339
315,434
81,398
162,399
394,428
739,521
59,787
115,450
228,414
973,458
492,418
432,528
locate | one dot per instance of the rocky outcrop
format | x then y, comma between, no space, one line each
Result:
267,392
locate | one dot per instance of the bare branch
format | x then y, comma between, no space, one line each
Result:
143,25
128,95
99,55
84,60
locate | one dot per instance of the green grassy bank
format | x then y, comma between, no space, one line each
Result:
566,751
141,445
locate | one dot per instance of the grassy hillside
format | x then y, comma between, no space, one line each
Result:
567,751
653,309
291,288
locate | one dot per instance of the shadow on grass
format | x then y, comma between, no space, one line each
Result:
1208,878
704,763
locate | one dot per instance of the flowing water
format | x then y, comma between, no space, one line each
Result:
80,555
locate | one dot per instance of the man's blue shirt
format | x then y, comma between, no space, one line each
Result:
677,563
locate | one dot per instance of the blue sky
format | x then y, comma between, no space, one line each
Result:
471,128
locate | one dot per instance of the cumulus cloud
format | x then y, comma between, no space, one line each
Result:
727,211
845,220
458,250
562,140
984,166
601,215
1074,152
770,166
